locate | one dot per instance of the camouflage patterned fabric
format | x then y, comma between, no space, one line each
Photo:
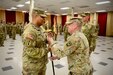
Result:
35,51
1,35
14,28
66,34
90,32
76,48
94,36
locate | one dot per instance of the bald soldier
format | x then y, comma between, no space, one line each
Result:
35,49
90,30
76,48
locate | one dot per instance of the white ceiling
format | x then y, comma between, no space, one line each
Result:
54,6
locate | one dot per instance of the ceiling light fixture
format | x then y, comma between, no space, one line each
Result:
101,11
57,14
64,14
9,9
64,8
103,2
75,13
45,11
13,8
20,5
24,11
28,2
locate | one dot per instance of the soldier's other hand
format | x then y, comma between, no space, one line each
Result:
49,48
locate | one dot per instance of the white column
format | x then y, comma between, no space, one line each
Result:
31,7
95,18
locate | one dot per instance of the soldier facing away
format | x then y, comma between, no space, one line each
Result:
76,48
90,31
35,47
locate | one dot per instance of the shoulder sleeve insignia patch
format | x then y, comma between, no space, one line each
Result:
30,36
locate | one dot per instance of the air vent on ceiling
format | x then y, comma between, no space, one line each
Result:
85,6
16,0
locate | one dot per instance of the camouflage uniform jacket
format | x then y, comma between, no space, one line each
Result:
35,48
90,32
87,30
76,48
1,31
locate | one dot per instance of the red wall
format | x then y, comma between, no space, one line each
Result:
63,19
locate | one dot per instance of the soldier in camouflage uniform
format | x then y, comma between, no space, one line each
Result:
76,48
14,28
60,29
10,30
66,34
35,46
5,30
1,35
20,29
55,30
94,36
90,31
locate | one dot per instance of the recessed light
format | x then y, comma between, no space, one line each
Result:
75,13
64,14
24,11
9,9
101,11
64,8
20,5
103,2
57,14
45,11
28,2
13,8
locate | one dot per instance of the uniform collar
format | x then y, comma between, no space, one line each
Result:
37,28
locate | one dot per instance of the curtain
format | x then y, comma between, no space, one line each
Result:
26,17
52,19
102,20
63,20
10,16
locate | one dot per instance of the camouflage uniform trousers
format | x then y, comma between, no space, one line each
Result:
55,36
34,69
13,36
1,39
92,46
87,73
65,36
